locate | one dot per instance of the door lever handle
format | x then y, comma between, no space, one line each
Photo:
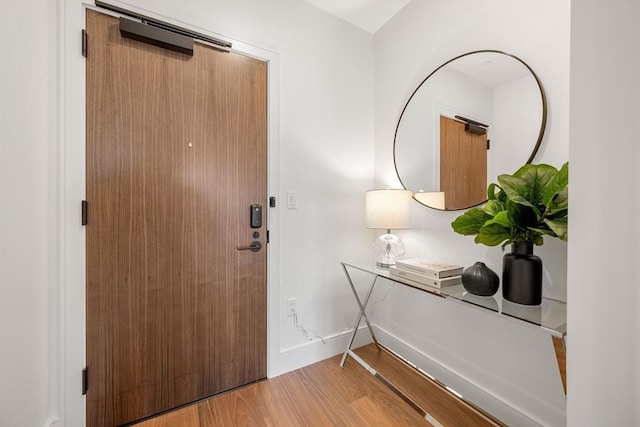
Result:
255,246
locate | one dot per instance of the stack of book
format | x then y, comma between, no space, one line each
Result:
427,272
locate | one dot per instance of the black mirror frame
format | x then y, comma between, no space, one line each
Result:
543,123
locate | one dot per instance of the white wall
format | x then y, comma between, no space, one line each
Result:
604,324
325,155
516,365
517,114
28,213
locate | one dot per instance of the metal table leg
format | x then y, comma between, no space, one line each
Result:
361,314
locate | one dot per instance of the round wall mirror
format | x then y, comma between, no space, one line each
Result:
479,115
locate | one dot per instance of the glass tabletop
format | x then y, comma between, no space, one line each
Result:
550,316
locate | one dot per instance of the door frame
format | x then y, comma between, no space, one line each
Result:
70,357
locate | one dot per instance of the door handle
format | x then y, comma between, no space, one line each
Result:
255,246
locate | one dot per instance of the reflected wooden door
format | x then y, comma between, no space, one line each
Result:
463,165
176,155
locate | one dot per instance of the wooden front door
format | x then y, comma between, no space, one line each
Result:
463,165
176,155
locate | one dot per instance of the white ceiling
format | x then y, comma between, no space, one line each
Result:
369,15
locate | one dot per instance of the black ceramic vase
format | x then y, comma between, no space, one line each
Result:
522,275
480,280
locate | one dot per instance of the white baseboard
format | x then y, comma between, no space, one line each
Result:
299,356
472,392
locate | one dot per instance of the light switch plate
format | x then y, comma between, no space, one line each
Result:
292,200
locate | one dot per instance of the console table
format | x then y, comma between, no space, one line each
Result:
550,317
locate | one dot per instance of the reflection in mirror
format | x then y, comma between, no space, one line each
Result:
477,116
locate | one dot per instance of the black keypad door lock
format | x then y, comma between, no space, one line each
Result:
256,216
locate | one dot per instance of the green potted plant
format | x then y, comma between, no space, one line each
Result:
521,209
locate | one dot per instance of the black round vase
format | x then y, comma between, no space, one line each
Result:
480,280
522,275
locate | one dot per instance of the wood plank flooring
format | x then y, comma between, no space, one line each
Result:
323,394
441,405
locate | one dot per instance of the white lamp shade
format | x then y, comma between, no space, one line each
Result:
388,209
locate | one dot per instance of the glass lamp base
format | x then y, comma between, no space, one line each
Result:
386,249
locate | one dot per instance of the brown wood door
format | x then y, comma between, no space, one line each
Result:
176,155
463,165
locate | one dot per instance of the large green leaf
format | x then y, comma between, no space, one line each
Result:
492,207
521,216
518,191
559,201
493,234
528,185
501,218
559,226
491,191
537,178
544,231
556,185
537,240
470,222
494,192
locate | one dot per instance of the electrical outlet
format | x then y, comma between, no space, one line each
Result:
291,306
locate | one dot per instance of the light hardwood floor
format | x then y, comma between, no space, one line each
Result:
323,394
426,395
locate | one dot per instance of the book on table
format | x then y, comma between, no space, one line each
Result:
425,280
428,268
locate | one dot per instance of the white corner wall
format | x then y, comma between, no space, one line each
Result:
604,288
28,212
513,365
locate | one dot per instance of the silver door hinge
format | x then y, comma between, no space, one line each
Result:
84,43
85,381
84,213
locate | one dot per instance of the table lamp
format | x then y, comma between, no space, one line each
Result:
390,210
